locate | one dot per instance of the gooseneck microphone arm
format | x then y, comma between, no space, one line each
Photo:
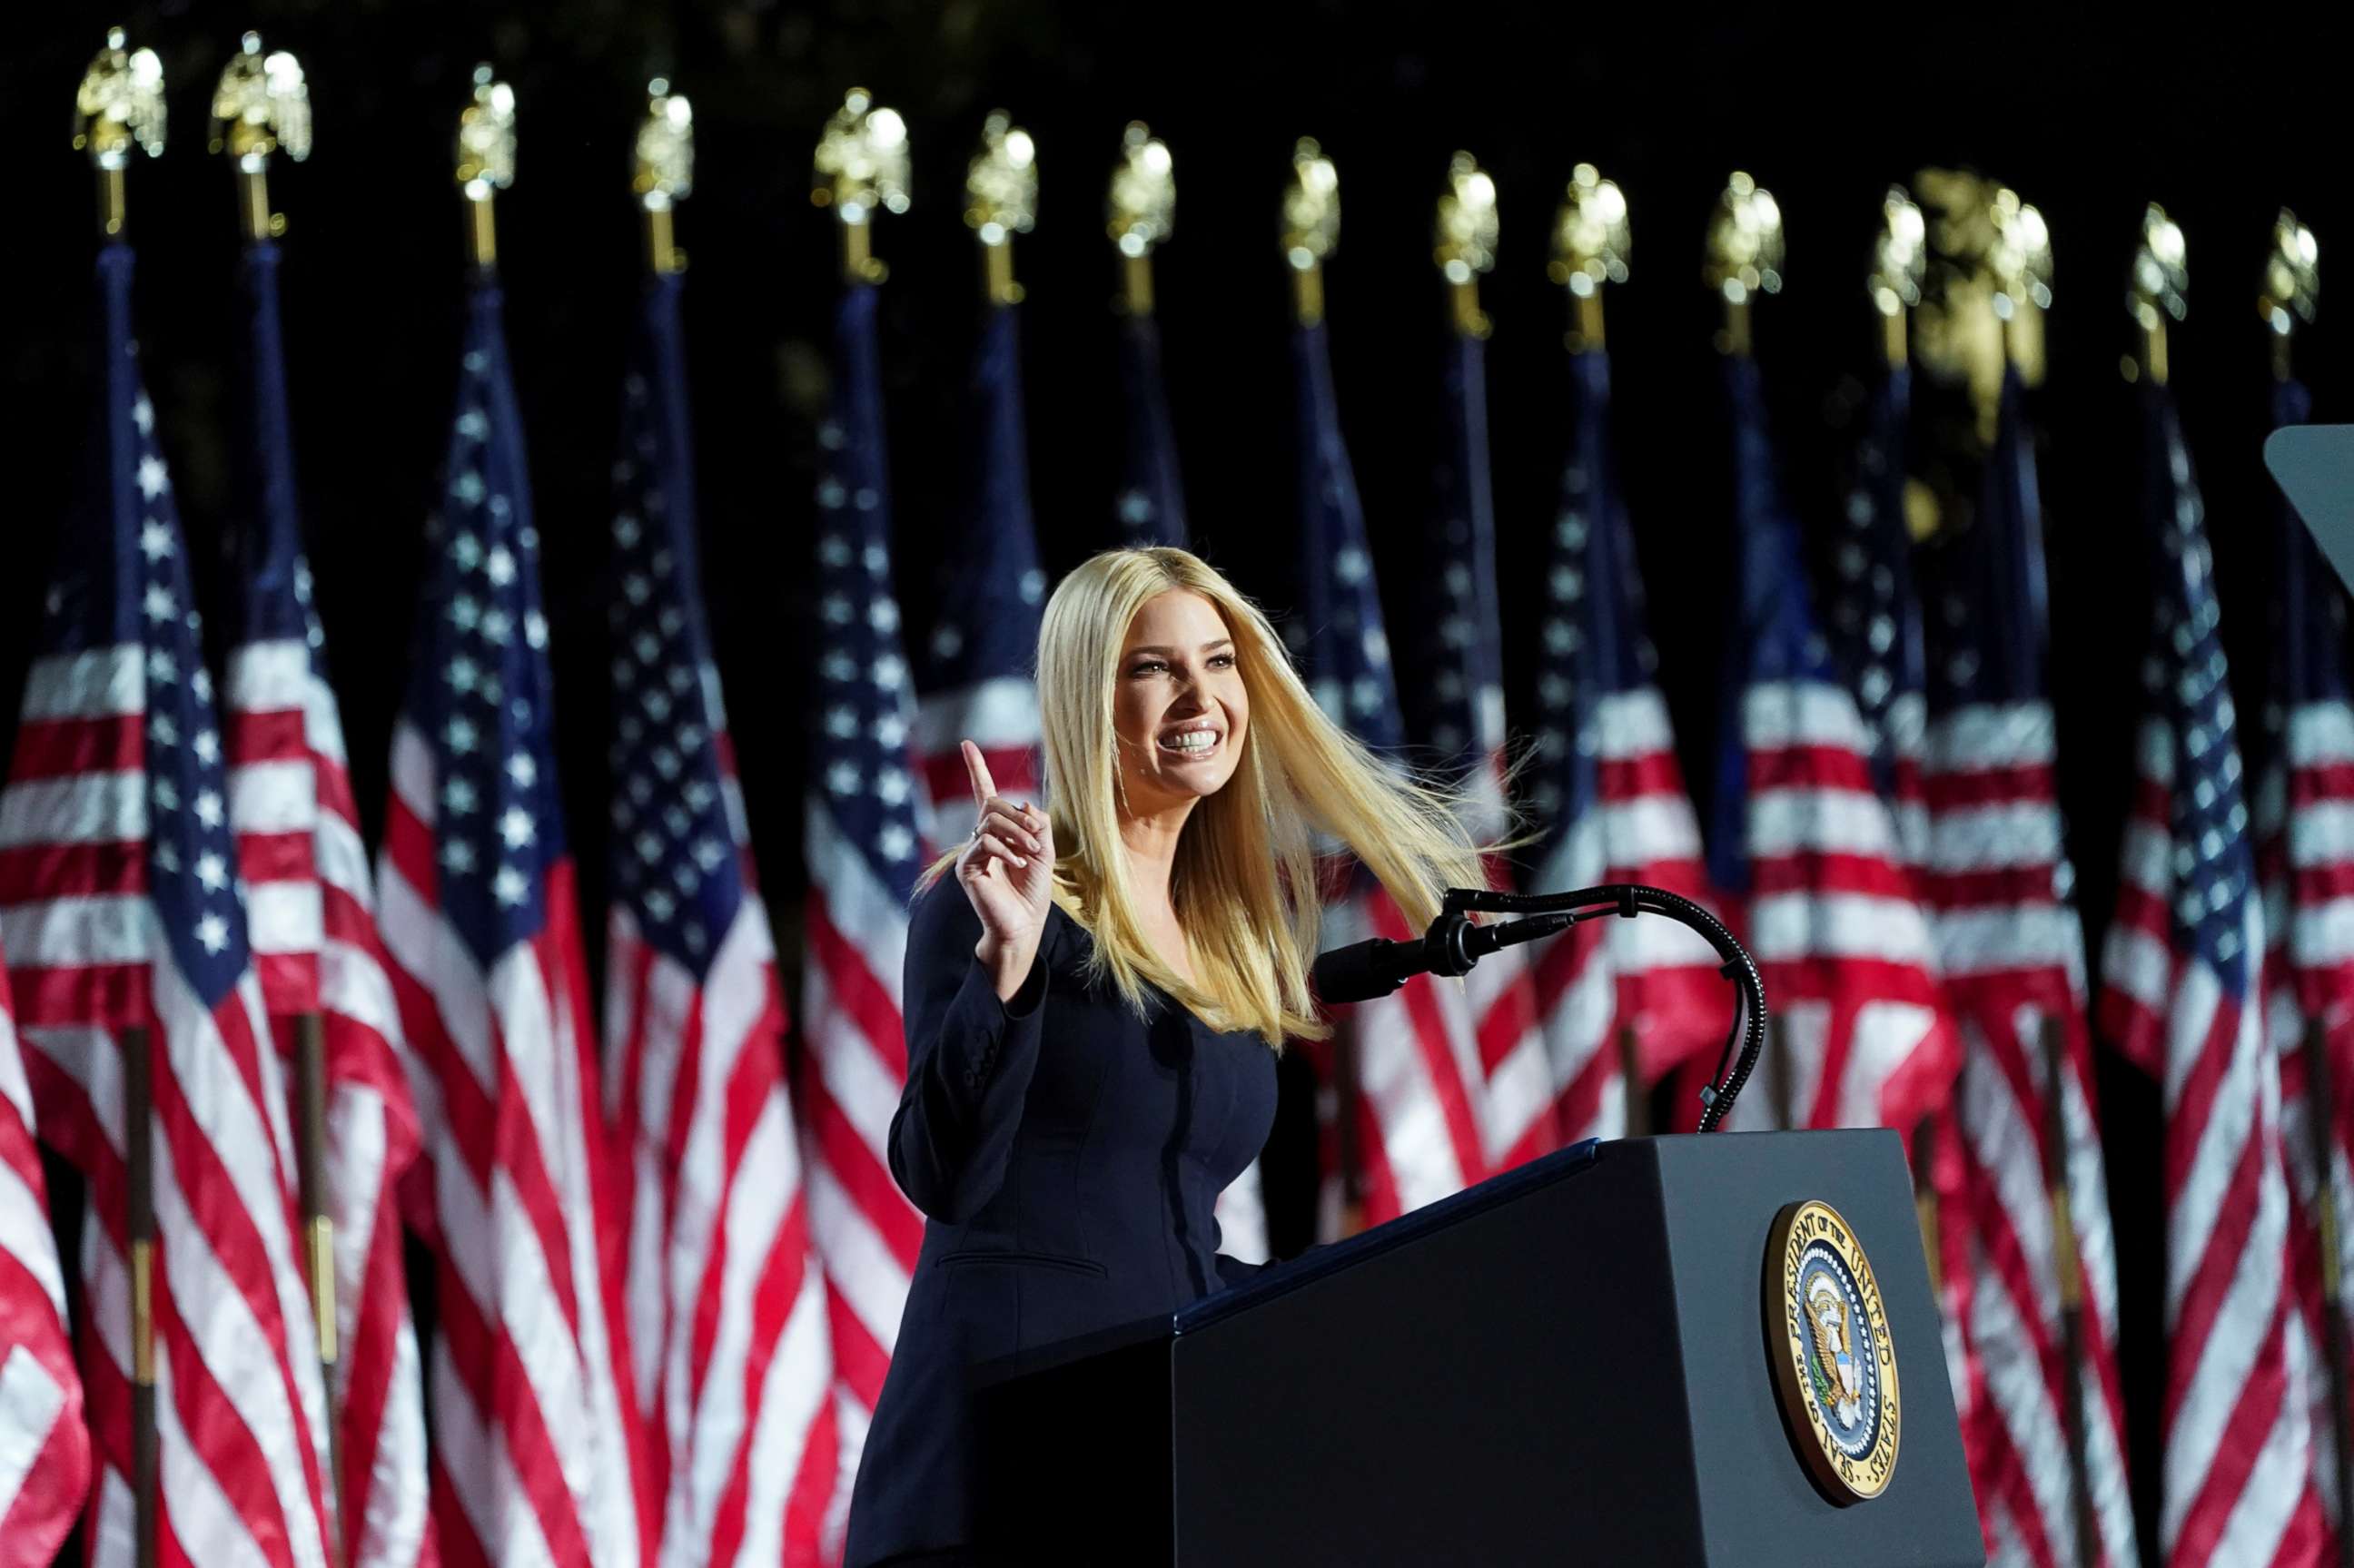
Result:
1364,971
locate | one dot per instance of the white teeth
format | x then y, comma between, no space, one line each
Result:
1191,740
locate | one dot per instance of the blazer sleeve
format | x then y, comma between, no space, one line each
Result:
970,1060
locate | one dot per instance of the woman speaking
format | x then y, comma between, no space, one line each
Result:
1094,1007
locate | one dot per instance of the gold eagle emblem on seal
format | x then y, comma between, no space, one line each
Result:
1834,1361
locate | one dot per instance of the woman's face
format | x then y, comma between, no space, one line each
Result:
1180,709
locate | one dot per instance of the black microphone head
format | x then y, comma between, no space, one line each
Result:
1358,972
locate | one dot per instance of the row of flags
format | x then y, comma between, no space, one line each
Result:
668,1255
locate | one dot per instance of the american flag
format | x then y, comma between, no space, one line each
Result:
979,677
2181,973
1876,621
1152,500
1418,1120
861,843
533,1435
1456,713
44,1445
310,911
1803,842
1609,793
2304,800
121,909
1998,881
727,1303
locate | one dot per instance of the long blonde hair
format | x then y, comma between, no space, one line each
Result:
1244,884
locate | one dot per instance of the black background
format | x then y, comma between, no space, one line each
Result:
2089,118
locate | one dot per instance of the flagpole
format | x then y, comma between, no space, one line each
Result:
1590,244
1744,261
1311,228
1001,188
662,173
119,107
2068,1263
1141,211
139,1170
260,108
1898,262
2291,286
861,165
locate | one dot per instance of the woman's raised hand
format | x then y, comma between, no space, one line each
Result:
1008,873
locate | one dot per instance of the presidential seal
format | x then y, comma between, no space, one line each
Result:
1834,1363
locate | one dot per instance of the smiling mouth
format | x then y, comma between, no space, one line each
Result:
1191,744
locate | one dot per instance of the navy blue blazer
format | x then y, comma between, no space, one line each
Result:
1067,1154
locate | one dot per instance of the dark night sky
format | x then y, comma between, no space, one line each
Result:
2088,119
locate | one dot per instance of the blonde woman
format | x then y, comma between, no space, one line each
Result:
1095,999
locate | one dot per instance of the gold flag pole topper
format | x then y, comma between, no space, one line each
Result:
118,107
486,157
2021,260
1464,242
2291,288
1744,256
1142,212
1001,189
262,107
1591,243
861,165
2155,297
1900,259
664,172
1311,226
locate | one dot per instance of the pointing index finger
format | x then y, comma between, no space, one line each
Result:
983,786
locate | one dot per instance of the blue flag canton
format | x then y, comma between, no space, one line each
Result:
1150,505
275,579
1338,636
2189,690
1875,620
1459,704
481,694
1592,644
991,588
2308,607
1983,584
1783,641
192,865
859,758
676,857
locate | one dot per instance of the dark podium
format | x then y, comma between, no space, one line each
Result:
1567,1364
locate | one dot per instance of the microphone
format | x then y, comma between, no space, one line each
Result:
1363,971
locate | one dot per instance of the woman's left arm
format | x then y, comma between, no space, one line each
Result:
970,1060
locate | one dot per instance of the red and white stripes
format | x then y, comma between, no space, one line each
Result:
2304,823
531,1462
855,1058
43,1446
2237,1478
2013,960
727,1306
312,915
1834,924
240,1407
